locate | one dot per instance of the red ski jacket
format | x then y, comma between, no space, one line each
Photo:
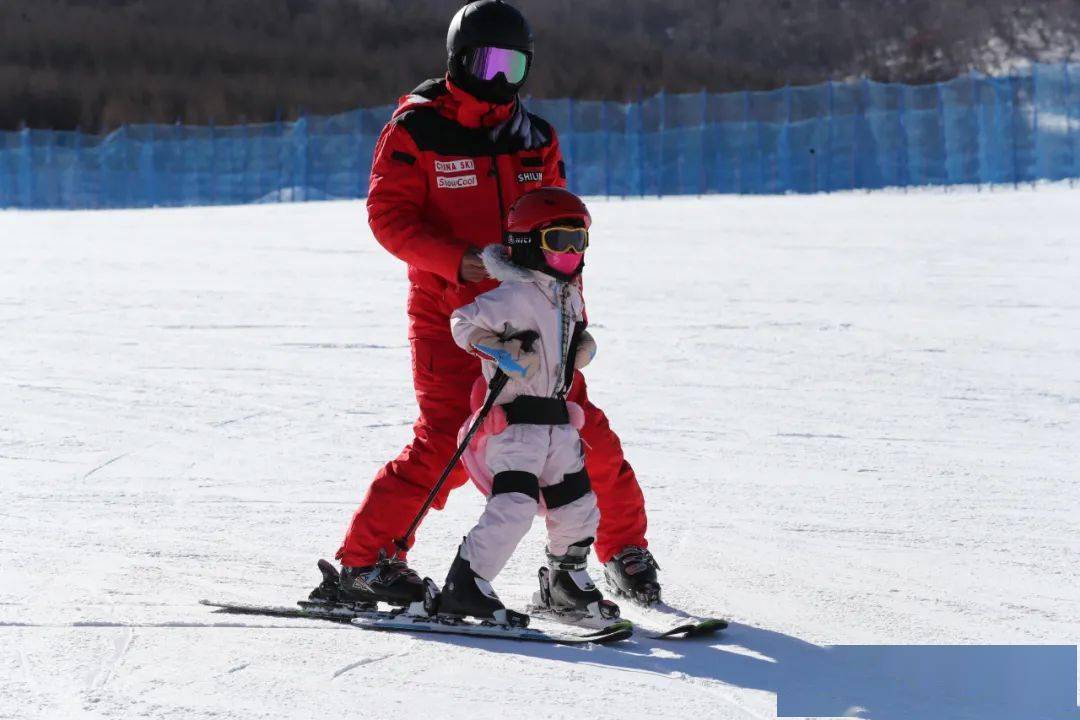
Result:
441,185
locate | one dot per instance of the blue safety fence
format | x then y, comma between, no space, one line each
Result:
822,138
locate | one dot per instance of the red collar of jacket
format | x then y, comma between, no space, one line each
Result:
459,106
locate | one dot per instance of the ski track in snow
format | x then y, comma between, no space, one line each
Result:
855,419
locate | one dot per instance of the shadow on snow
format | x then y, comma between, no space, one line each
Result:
881,682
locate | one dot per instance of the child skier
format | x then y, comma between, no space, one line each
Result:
528,456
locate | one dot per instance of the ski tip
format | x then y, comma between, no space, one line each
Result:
703,628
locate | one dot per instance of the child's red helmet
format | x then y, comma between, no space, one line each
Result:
541,207
529,244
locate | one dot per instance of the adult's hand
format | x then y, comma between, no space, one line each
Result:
472,267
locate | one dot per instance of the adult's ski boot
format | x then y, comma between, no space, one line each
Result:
568,594
466,594
632,573
389,580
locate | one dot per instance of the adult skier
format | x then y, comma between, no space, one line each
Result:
529,455
456,154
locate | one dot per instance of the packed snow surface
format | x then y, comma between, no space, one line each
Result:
856,419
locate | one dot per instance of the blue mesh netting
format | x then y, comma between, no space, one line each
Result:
833,136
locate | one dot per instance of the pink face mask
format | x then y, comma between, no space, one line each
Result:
564,262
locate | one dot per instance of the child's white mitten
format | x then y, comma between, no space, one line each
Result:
509,355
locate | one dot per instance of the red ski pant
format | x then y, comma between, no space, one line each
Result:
443,375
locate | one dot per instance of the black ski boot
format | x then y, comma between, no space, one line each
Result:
467,594
632,573
389,580
569,594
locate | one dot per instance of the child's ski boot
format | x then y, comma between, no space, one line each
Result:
568,594
466,594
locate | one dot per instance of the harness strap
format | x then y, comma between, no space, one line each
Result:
516,481
573,486
535,410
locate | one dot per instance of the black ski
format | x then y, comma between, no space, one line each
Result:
679,625
457,626
416,620
308,611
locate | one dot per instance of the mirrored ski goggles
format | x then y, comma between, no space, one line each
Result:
487,62
564,239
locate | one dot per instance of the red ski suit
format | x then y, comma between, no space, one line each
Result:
440,186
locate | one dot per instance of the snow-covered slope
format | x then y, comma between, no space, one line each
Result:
855,419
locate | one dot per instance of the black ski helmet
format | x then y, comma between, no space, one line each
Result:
486,23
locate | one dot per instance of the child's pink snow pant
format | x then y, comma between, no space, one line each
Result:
523,470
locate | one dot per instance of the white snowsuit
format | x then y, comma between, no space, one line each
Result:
527,468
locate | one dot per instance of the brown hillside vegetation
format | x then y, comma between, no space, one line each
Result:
98,63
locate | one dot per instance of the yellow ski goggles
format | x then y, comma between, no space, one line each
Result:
564,239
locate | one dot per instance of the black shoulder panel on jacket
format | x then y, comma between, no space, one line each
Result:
431,89
433,132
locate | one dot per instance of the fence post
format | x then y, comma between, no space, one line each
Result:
745,144
303,141
155,174
282,146
829,136
607,142
998,135
6,200
661,136
178,171
705,158
360,175
113,191
146,170
26,168
904,159
976,107
1034,100
1012,123
572,164
640,143
130,162
786,167
763,184
939,96
107,152
242,194
1069,124
52,173
627,137
875,158
856,129
213,164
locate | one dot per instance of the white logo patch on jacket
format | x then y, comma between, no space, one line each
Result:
455,182
454,166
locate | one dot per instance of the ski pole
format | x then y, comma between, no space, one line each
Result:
498,382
